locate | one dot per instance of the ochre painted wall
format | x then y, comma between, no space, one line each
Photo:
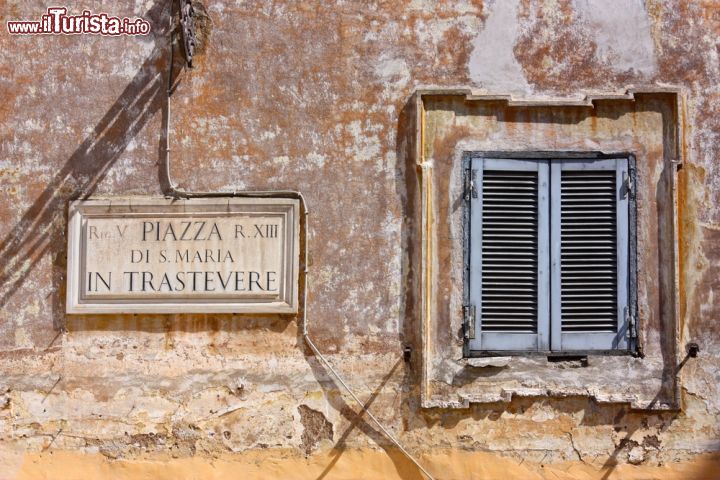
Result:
311,96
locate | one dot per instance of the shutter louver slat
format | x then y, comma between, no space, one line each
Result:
588,251
509,246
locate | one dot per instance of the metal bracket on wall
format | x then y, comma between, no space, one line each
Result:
187,22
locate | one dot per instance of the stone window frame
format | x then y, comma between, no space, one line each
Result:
439,361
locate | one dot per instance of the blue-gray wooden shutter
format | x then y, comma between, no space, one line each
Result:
589,254
509,274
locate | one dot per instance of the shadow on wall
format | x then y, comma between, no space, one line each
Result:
622,424
407,191
404,467
42,228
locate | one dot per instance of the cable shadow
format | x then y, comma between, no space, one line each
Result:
41,229
611,463
665,230
354,419
404,467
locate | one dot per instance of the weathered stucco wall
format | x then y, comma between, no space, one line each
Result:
317,97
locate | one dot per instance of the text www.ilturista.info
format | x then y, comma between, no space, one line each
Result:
57,22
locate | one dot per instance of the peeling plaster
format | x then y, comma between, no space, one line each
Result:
394,74
493,65
622,32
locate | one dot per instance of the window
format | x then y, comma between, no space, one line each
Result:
550,255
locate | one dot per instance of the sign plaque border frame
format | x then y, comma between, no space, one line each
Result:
124,207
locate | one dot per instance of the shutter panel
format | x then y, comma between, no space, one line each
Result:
509,254
590,254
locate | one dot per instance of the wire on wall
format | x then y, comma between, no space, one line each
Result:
175,192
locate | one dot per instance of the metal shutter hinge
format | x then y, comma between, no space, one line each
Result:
629,184
631,323
469,321
470,188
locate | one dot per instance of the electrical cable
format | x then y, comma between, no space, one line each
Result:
175,192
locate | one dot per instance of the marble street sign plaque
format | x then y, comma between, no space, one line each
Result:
157,255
